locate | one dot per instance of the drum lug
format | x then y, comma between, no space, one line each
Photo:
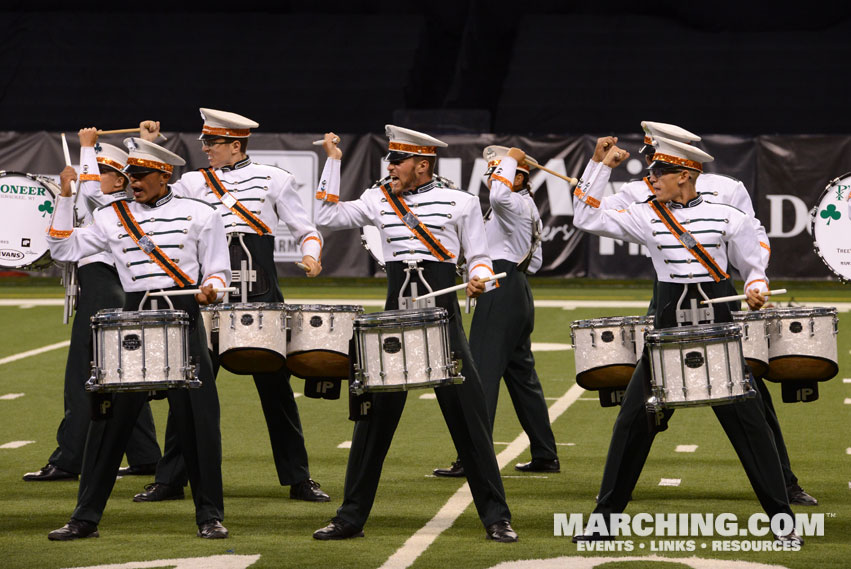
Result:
653,405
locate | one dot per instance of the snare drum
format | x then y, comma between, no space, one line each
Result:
399,350
318,345
831,227
141,351
252,336
802,343
697,365
26,205
606,349
754,325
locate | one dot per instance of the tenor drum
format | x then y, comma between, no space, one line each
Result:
830,222
252,336
606,349
399,350
318,345
697,365
802,344
208,312
754,325
26,205
146,350
371,241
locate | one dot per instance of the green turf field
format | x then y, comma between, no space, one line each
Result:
264,522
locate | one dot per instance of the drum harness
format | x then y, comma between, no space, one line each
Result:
692,314
246,275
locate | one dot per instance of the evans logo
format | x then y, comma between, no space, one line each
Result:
11,254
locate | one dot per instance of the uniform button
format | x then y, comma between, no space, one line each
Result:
189,218
452,203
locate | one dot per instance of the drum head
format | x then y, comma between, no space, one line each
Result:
831,226
371,239
26,208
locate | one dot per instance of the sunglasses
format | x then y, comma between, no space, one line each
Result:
209,143
659,172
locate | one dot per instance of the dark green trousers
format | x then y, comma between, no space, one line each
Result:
99,289
462,407
501,344
195,414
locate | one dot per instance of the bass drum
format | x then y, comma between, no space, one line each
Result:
830,222
26,208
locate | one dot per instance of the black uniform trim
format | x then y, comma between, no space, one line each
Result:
219,189
689,242
415,225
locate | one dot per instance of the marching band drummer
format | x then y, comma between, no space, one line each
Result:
160,242
665,225
251,199
454,222
716,188
101,183
500,335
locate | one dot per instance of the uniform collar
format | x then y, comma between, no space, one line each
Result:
691,203
237,165
162,201
430,185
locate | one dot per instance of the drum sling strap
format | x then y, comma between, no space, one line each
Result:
415,225
232,203
149,247
688,241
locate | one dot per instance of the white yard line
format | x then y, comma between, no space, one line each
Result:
35,352
417,544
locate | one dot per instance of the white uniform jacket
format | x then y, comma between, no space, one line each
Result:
188,231
451,215
267,191
514,214
724,231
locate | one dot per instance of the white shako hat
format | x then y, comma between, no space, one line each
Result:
405,143
673,154
494,155
224,124
111,157
148,157
663,129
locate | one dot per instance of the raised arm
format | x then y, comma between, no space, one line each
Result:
330,212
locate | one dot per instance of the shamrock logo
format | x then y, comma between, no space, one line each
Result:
831,212
46,207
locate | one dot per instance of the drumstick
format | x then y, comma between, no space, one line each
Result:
302,266
534,164
127,130
741,296
321,142
189,291
458,287
68,162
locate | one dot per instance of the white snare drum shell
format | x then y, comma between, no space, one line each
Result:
399,350
697,365
141,351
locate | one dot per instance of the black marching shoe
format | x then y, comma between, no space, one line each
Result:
454,471
337,529
212,529
74,529
798,497
790,537
501,531
157,492
138,470
49,472
539,465
308,490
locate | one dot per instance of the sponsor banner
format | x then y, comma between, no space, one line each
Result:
785,175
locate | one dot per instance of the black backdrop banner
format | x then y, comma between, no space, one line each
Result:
785,176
